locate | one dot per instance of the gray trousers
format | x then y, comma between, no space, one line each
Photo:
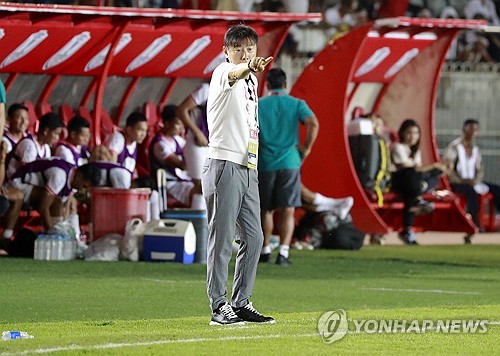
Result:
233,211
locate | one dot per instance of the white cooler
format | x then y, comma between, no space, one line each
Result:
169,240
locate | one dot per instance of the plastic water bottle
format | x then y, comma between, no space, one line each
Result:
39,244
13,335
69,248
47,247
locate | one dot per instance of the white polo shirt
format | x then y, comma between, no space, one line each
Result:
231,112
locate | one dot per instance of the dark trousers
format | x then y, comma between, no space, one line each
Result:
408,183
472,198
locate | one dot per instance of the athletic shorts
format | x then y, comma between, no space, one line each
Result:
24,187
279,189
181,191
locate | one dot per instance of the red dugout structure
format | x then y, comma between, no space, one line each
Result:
391,67
93,44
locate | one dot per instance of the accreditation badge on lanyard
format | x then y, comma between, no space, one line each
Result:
253,148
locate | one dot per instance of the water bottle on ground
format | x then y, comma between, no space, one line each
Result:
13,335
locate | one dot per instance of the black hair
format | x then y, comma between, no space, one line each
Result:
90,172
470,121
15,107
134,118
77,123
406,125
239,33
276,78
168,114
51,121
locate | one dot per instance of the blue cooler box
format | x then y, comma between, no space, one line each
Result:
169,240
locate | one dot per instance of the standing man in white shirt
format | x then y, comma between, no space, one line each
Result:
229,180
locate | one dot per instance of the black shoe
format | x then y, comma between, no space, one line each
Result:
224,315
422,207
283,261
468,239
250,315
264,257
408,237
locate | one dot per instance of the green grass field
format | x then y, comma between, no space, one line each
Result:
121,308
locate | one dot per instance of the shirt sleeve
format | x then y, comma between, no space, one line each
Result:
120,178
220,76
117,143
26,151
200,95
57,179
164,149
65,153
399,154
304,111
9,145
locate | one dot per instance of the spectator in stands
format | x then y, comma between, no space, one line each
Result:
74,148
123,144
425,13
341,17
193,114
478,45
412,178
166,151
47,183
467,171
484,7
240,5
450,13
31,148
371,7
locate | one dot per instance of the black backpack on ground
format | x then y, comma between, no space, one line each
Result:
344,237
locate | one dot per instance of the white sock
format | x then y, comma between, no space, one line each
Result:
320,199
284,250
74,222
154,206
7,233
198,202
342,207
322,207
266,250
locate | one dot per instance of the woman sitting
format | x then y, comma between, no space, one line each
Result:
412,178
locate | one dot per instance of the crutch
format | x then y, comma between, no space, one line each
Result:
161,180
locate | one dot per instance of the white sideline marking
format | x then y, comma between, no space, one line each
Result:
170,281
421,290
180,341
150,343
